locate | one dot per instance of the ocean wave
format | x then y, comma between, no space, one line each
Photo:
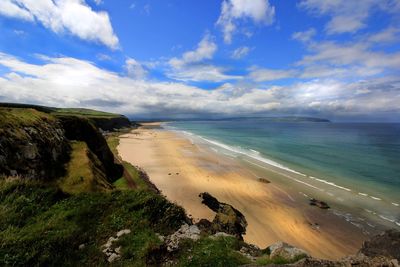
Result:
292,178
375,198
330,183
386,218
362,194
395,204
255,151
241,151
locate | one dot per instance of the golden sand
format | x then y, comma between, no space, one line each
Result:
182,170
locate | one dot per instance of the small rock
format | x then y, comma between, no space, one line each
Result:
286,251
113,257
123,232
222,234
161,237
81,246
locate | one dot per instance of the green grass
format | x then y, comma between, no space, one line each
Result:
265,260
121,184
84,112
84,172
113,142
18,117
40,226
210,252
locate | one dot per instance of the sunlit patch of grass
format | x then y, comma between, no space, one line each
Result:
84,173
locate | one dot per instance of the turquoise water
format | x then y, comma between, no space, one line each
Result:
358,158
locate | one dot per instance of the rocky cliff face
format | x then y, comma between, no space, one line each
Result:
32,144
81,129
110,124
36,145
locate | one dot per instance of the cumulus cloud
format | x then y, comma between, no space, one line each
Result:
72,82
233,11
134,69
191,67
240,52
205,49
62,16
348,16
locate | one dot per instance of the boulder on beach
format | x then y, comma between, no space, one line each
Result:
228,219
320,204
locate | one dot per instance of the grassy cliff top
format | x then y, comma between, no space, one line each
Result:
84,112
20,117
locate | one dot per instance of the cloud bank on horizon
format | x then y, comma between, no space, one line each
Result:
336,59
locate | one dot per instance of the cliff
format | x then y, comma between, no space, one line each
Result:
32,144
37,145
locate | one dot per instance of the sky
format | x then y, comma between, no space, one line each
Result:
336,59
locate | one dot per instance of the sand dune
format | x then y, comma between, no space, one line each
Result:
182,170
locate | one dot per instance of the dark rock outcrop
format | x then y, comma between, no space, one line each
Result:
32,146
387,244
228,219
110,124
320,204
81,129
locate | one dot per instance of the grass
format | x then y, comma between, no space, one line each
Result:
84,173
113,142
18,117
41,226
265,260
84,112
221,251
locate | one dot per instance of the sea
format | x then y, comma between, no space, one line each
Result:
354,167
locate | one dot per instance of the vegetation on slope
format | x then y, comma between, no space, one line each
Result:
40,225
85,172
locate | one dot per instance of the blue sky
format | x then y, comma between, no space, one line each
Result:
177,58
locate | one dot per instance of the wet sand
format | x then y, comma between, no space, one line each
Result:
182,170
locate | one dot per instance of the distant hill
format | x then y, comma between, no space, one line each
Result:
270,119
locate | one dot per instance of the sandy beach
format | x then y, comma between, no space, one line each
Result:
182,170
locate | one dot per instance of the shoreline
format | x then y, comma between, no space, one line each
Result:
182,169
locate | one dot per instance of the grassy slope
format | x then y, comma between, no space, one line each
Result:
40,226
83,172
17,117
89,113
113,142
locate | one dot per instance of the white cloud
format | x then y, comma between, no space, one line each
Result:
98,2
262,75
232,11
190,66
240,52
77,83
72,16
348,16
11,8
304,36
388,35
359,54
198,73
134,69
206,49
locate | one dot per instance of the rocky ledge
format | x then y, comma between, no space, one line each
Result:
227,219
